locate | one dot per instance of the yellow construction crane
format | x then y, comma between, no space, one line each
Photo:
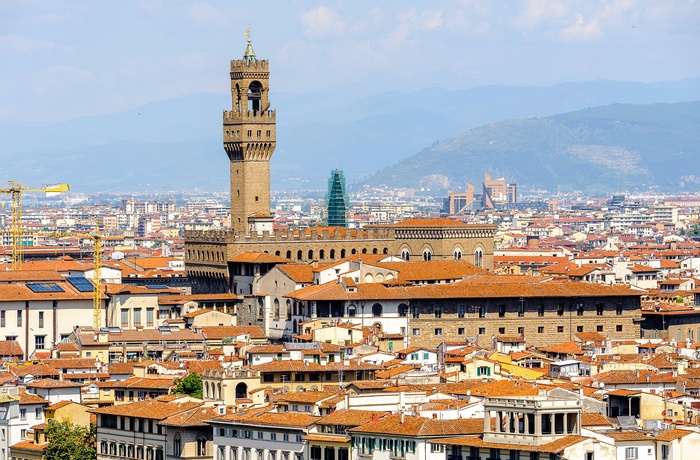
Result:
97,293
15,190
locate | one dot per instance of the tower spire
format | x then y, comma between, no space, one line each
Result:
249,55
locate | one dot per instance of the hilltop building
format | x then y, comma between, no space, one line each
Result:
337,202
249,132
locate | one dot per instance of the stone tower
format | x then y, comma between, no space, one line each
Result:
249,140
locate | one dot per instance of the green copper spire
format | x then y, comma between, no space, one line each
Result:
249,55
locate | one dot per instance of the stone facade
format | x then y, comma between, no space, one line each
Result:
542,321
207,253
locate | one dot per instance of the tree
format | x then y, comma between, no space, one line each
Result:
70,442
191,385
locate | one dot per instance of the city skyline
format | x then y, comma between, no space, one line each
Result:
66,60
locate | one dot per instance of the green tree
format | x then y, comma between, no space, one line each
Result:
70,442
191,385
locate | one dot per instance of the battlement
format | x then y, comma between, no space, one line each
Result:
242,64
229,236
238,116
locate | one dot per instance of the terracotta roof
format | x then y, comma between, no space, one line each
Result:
29,398
299,273
327,437
259,258
220,332
672,435
28,444
432,270
53,383
139,382
420,426
192,417
30,275
264,417
152,409
594,419
10,348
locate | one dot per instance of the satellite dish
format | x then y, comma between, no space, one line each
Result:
601,385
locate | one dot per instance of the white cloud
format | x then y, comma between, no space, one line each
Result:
322,22
23,45
582,31
70,72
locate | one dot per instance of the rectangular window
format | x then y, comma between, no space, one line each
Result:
415,331
149,317
599,328
19,318
560,310
41,319
460,331
438,311
125,318
618,308
39,342
482,311
521,330
438,331
137,317
579,328
560,328
260,435
461,310
501,311
23,414
416,311
631,453
482,330
579,309
599,307
540,329
618,328
501,330
540,310
2,318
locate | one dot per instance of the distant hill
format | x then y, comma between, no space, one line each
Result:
176,144
621,146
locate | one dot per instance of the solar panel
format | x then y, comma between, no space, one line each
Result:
81,283
45,287
157,286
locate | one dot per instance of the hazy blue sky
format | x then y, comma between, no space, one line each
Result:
63,59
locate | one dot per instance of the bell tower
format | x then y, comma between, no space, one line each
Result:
249,139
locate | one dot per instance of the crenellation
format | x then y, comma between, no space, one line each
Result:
260,65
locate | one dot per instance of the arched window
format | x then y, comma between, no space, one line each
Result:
277,308
177,445
385,251
427,254
332,254
352,311
403,310
374,251
289,254
289,310
321,254
342,253
377,310
478,257
278,253
299,256
364,250
353,252
201,446
405,254
311,254
458,254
